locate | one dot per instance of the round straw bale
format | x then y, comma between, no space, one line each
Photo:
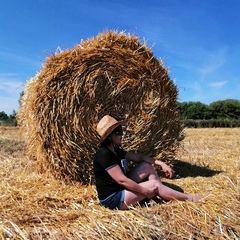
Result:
113,73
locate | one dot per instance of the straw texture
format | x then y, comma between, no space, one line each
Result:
38,207
113,73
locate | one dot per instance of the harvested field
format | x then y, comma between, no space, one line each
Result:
36,206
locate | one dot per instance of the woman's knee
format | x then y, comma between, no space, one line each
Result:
150,183
141,172
155,182
146,166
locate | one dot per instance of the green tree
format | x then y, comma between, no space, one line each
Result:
194,110
20,98
3,116
225,109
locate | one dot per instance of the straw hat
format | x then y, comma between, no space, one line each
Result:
106,125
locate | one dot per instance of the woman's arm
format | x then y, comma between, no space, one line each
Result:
135,157
117,174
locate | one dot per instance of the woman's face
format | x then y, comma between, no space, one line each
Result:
116,135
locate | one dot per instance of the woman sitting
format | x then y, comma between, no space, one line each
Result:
120,188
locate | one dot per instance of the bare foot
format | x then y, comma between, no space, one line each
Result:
195,198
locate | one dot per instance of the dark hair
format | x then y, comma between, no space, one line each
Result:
106,142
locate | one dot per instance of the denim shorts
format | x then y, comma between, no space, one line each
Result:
114,201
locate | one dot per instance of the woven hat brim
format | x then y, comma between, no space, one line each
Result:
104,136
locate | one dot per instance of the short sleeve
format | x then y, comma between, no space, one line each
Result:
105,158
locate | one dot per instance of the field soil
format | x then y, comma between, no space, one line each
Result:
34,205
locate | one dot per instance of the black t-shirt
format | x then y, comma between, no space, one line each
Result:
104,159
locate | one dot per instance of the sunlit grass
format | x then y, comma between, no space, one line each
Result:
36,206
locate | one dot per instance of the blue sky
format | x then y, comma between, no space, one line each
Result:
198,40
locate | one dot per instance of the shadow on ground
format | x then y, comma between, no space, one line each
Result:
173,186
184,169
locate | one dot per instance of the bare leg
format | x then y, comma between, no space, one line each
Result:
131,198
145,171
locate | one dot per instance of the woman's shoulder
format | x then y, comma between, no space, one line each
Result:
104,155
102,151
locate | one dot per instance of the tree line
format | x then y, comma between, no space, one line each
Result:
8,120
222,113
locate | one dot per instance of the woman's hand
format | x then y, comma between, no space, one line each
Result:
151,192
169,172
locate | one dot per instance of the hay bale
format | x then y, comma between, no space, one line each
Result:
113,73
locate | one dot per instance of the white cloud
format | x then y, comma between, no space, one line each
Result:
217,85
10,89
212,62
8,104
18,59
10,84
